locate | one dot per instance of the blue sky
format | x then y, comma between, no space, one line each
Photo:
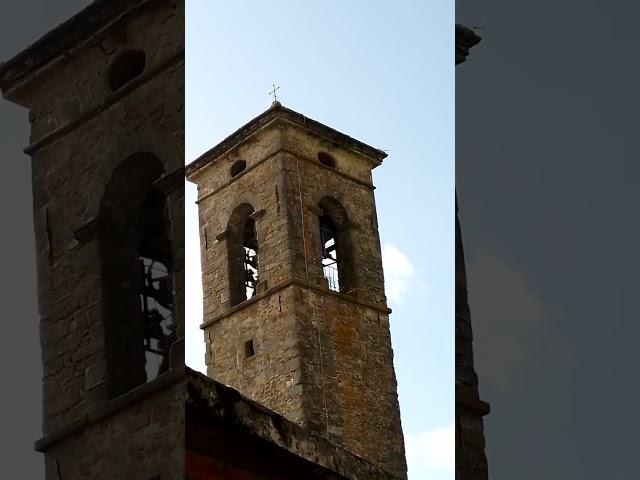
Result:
382,72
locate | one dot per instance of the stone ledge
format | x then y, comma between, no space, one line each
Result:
110,408
171,181
467,399
324,291
89,231
274,113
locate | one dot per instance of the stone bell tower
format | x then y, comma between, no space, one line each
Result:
295,314
105,94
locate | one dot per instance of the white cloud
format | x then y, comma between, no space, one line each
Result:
431,454
399,273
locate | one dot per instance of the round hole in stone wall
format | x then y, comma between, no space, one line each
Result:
326,159
126,67
238,167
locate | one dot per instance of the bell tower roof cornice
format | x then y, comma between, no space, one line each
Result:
277,112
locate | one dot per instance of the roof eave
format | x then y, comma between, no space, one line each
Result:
62,38
265,118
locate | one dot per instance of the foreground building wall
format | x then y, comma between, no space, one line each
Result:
471,462
105,93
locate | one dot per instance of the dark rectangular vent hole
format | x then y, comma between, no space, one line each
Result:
249,349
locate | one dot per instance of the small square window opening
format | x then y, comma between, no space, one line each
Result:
249,349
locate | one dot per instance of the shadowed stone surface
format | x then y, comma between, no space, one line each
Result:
471,462
81,132
225,429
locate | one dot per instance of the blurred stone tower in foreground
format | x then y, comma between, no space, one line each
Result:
295,314
471,462
105,93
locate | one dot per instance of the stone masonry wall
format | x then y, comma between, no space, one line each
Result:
349,385
322,359
139,442
272,376
79,83
346,347
69,176
257,186
307,182
81,131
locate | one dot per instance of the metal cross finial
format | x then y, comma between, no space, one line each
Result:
273,92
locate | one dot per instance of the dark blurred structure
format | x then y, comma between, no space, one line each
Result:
471,462
105,94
